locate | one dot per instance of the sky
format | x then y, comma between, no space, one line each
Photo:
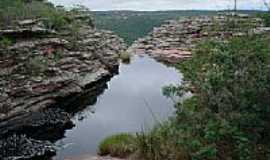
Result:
152,5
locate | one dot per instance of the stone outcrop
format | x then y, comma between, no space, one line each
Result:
175,40
20,147
42,68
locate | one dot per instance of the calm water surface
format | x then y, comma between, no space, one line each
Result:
132,101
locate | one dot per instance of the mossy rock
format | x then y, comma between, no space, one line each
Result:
125,57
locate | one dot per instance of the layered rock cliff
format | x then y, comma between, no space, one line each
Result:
42,73
176,39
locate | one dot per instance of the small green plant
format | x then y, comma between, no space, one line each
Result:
5,42
57,55
121,145
37,65
125,57
160,143
266,18
55,18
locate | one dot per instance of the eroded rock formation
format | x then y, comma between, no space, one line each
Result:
175,40
42,68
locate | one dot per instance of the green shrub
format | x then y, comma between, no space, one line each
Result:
125,57
37,65
227,117
56,18
5,42
121,145
232,86
160,143
266,18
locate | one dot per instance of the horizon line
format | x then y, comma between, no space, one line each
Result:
212,10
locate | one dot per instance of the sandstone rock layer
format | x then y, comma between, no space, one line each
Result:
42,69
176,39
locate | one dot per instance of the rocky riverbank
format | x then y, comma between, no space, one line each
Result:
175,40
42,73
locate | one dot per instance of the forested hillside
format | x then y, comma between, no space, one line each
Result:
132,25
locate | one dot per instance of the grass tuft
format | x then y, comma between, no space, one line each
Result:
121,145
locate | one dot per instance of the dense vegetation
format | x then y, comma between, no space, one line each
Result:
228,115
266,18
227,118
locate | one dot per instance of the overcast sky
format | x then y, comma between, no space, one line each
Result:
149,5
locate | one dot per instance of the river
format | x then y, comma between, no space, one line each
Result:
133,101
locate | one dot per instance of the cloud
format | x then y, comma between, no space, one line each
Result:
150,5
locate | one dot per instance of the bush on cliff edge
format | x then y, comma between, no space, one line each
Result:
228,116
266,18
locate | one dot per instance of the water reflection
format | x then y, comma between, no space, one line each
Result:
129,103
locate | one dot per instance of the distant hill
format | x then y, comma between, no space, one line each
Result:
131,25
